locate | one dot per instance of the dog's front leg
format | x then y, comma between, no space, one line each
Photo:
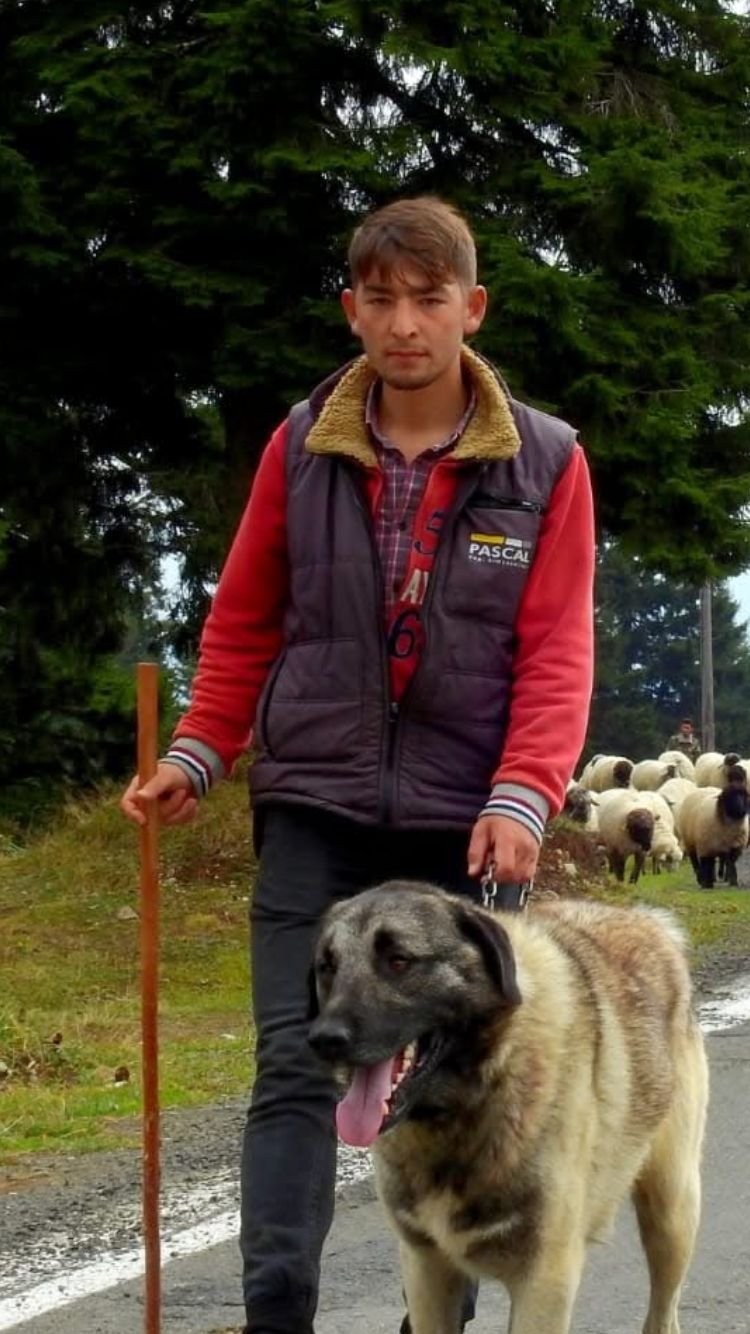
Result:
434,1290
542,1297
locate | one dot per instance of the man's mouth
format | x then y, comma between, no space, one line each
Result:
379,1096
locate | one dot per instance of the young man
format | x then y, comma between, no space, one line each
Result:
685,740
404,620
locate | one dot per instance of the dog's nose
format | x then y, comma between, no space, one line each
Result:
331,1039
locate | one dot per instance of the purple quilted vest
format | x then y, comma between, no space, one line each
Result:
327,733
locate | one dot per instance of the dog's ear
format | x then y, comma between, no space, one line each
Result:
313,1008
493,943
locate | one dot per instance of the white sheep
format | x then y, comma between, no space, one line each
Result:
656,802
711,768
674,792
588,769
606,771
684,767
665,851
626,827
714,823
648,775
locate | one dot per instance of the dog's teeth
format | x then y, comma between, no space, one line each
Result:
409,1055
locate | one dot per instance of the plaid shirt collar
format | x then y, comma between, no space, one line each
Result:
372,405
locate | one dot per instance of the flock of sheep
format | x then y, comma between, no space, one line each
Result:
664,808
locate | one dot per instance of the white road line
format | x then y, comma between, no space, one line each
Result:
718,1015
111,1270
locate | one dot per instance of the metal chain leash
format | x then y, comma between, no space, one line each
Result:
507,894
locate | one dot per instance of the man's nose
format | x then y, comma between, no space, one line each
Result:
403,319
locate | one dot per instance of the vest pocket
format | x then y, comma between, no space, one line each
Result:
311,706
493,548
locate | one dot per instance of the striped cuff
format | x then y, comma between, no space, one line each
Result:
519,803
201,764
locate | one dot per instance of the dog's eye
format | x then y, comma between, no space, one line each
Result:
327,965
398,963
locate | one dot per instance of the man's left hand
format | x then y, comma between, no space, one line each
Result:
507,844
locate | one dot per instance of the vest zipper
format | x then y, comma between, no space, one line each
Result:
389,771
391,711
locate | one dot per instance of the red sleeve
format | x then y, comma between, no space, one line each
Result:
553,662
243,632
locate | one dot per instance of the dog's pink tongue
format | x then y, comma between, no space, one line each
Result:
359,1115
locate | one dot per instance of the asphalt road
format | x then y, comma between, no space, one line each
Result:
361,1289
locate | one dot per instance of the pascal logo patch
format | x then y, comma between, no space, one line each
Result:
497,549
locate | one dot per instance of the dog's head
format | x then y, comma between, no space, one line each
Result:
407,984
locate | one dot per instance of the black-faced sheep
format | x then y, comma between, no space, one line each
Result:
626,827
606,771
714,823
711,768
665,848
684,767
648,775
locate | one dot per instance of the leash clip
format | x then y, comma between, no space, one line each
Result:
510,895
489,888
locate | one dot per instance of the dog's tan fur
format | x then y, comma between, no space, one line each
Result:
592,1088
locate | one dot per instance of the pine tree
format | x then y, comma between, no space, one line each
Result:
648,661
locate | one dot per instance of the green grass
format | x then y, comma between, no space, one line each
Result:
70,974
717,921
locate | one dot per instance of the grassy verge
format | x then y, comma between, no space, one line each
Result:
717,921
70,1077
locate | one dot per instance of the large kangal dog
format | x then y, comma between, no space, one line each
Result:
517,1075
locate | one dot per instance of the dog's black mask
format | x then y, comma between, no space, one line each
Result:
407,983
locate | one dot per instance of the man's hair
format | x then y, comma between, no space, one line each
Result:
425,232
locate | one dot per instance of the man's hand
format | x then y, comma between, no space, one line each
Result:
507,844
170,787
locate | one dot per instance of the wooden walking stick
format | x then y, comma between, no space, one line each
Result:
148,716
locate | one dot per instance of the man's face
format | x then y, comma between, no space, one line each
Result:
411,330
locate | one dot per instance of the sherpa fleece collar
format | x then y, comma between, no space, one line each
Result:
341,428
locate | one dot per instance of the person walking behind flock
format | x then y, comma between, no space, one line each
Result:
404,620
685,740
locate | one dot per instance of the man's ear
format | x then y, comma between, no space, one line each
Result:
492,940
476,308
349,304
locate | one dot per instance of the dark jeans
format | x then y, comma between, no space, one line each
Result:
308,860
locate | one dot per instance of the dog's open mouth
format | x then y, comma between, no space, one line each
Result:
380,1095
